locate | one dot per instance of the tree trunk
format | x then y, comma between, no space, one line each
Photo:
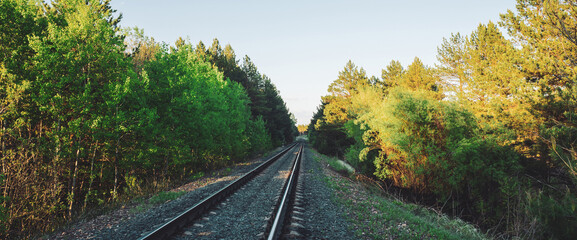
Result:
55,167
115,191
73,187
3,149
91,178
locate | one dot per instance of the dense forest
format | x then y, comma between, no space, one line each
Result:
92,113
488,134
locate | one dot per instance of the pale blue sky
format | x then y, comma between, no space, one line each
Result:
302,45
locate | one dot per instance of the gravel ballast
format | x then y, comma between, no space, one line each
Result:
242,216
129,223
322,218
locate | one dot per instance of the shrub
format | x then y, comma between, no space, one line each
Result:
557,215
415,135
360,155
483,174
432,146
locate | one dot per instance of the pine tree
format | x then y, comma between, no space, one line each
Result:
419,77
546,35
453,66
392,74
329,133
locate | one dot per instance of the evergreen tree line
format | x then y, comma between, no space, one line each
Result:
91,113
489,132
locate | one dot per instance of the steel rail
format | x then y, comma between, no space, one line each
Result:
275,227
174,225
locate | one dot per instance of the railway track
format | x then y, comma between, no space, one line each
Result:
257,205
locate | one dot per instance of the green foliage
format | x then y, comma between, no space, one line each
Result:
432,146
485,176
258,136
327,128
415,134
265,101
410,138
545,32
350,79
378,216
330,139
406,221
392,74
336,164
504,128
198,112
419,77
84,121
556,214
196,176
359,155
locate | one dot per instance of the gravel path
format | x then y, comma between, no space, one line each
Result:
321,217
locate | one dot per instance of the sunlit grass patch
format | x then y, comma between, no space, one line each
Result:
140,208
375,215
334,163
196,176
163,197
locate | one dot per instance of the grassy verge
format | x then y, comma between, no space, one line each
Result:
157,199
375,215
336,165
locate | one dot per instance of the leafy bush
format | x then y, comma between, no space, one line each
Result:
99,123
415,134
258,138
359,155
328,138
419,142
557,215
483,174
